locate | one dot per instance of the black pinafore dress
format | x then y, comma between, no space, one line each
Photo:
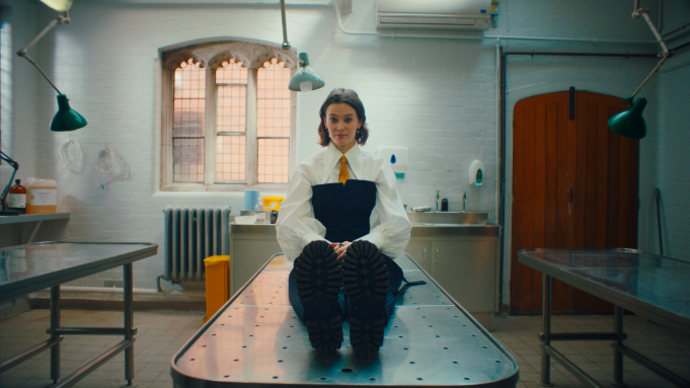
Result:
345,209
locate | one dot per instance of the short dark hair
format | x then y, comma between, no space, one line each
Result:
349,97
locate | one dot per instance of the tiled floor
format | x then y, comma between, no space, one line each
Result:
162,333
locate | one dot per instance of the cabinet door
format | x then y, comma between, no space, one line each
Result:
466,269
420,251
249,253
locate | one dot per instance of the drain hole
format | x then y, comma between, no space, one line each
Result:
237,359
467,378
498,361
226,376
280,360
323,377
455,362
411,362
419,378
347,370
372,378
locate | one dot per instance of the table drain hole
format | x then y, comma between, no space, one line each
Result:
372,378
347,370
423,316
222,324
256,325
275,377
411,362
467,378
445,348
214,334
244,346
280,360
236,360
406,348
289,336
395,325
284,347
292,326
203,346
431,325
455,362
226,376
400,336
191,359
485,347
498,361
323,377
419,378
438,336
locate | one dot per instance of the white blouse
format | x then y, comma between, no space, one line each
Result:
296,225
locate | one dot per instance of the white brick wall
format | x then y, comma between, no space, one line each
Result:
436,97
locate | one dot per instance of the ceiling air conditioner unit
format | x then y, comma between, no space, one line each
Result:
434,14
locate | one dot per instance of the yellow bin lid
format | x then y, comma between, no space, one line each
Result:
213,260
273,203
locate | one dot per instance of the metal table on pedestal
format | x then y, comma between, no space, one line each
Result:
256,339
33,267
655,287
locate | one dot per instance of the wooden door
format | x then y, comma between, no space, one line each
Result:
575,185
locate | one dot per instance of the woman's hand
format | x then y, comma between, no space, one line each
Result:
341,248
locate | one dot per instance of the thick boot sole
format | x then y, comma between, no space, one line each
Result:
318,278
365,278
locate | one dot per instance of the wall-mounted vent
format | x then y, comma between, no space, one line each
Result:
433,14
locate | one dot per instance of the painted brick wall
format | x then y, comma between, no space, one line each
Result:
435,96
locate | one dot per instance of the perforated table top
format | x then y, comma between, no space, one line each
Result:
257,339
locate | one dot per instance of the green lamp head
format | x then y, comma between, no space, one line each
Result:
66,119
630,123
305,79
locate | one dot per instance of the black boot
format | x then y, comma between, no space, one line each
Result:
365,278
318,278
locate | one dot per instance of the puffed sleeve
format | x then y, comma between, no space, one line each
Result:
390,227
296,226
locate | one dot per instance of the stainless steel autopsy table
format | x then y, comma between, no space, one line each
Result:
256,339
653,286
33,267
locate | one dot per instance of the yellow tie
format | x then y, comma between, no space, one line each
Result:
343,175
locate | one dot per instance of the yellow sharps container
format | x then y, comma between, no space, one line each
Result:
217,283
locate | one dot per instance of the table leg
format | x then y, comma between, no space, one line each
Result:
617,354
129,322
54,336
546,331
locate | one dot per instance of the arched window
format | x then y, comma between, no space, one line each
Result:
228,117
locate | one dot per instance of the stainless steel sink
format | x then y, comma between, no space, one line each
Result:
447,218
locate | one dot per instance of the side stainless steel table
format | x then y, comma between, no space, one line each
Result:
33,267
257,339
655,287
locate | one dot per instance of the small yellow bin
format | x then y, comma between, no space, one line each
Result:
217,283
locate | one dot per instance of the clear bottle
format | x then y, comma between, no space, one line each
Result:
41,197
16,198
260,212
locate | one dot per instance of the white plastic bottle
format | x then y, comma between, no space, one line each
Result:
260,212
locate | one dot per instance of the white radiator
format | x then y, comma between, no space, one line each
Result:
191,235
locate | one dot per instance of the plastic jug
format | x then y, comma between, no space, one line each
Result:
41,196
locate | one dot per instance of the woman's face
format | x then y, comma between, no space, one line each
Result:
342,124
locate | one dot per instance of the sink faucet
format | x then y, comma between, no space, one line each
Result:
464,200
438,201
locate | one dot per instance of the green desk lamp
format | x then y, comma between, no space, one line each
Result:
66,119
305,80
630,123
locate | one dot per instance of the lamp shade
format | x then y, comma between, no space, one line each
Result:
305,79
630,123
58,5
66,119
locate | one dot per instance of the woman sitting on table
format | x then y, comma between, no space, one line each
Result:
342,222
